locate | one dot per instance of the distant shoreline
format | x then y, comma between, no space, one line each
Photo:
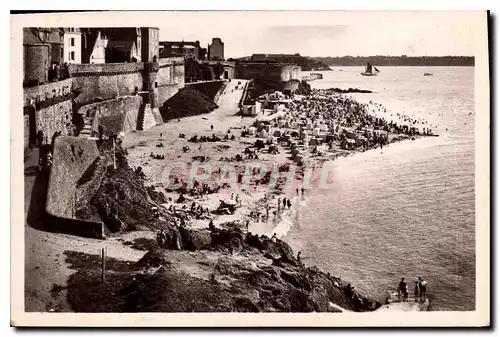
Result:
398,61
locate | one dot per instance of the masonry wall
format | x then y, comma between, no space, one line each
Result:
106,81
71,158
117,115
47,91
36,63
49,108
267,71
170,78
55,118
26,131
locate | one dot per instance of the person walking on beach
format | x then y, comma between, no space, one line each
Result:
212,127
284,203
402,289
297,190
302,189
289,203
279,204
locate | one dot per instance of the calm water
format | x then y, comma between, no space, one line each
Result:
407,211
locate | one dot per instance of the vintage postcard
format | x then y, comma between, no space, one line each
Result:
212,168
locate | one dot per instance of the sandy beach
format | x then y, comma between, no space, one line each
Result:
46,289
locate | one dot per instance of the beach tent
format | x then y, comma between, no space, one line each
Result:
263,133
313,142
252,130
348,144
329,138
360,141
315,132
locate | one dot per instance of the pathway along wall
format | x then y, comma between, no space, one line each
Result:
72,156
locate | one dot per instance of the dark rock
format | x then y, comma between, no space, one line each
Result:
153,258
195,240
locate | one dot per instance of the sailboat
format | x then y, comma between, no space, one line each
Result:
368,70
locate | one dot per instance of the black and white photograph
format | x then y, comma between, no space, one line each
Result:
245,163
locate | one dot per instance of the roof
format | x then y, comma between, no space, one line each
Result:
30,38
88,44
180,43
120,45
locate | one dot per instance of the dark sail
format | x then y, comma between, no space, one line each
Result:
368,68
376,69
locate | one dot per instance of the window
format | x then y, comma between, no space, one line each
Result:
72,55
72,42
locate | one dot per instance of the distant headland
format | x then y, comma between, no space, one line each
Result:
397,60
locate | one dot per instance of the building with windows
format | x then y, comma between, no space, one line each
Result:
186,49
216,50
72,49
54,38
150,44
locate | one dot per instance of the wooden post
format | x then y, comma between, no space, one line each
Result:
103,265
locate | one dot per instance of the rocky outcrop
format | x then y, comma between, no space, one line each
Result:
350,91
225,271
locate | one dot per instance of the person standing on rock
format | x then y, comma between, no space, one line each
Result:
247,224
298,256
415,292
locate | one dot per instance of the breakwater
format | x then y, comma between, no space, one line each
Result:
312,77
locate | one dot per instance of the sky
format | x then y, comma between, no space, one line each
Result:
338,34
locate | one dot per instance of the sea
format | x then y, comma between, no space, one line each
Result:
407,210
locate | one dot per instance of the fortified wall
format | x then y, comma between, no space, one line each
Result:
47,108
229,71
72,156
270,75
170,78
110,80
50,107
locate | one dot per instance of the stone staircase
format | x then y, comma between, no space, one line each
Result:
86,132
140,117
